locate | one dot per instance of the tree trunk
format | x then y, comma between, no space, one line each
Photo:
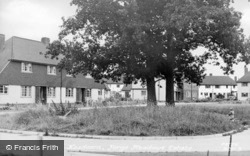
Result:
151,98
170,88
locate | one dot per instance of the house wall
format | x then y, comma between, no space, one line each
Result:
14,96
215,91
137,95
115,89
243,89
160,90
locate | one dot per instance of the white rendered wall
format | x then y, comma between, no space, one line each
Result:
222,90
243,89
14,96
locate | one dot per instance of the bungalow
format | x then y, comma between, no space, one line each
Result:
26,76
214,86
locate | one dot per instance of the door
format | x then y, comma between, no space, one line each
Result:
80,98
43,95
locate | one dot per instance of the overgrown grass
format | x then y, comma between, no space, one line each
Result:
143,121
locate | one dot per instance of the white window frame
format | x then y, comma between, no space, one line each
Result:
26,67
217,86
51,70
4,89
26,91
88,93
69,92
51,91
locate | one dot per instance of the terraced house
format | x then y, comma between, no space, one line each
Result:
26,76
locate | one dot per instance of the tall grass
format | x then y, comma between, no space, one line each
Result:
143,121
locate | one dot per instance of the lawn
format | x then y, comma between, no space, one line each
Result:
185,120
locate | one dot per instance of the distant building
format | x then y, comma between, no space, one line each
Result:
243,85
217,86
27,77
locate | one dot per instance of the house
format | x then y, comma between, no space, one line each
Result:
243,85
217,86
182,91
26,76
114,87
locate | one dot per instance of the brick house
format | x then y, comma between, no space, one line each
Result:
26,76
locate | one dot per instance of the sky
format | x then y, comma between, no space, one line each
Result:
34,19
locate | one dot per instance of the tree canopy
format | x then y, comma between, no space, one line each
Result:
148,39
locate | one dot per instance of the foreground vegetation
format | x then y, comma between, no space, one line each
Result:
143,121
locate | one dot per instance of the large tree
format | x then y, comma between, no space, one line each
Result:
148,39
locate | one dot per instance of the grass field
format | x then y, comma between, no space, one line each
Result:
187,120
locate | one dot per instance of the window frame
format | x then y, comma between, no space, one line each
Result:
217,86
26,91
207,86
5,89
88,93
69,92
51,70
244,94
51,92
26,67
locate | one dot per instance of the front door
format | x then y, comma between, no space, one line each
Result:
41,95
80,98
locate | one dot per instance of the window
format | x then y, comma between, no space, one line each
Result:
3,89
51,70
51,92
69,92
244,94
99,92
206,94
201,93
207,86
26,67
143,92
245,84
234,86
226,86
88,93
217,86
118,86
26,91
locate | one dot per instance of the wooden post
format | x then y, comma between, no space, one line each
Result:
230,144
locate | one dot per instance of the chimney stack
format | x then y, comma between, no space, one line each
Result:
246,70
2,41
45,40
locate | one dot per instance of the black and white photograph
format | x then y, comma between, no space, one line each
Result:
124,77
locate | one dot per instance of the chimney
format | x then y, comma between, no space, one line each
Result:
2,41
235,78
246,70
45,40
210,74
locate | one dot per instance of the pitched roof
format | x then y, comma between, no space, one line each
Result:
245,78
127,87
218,80
30,50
